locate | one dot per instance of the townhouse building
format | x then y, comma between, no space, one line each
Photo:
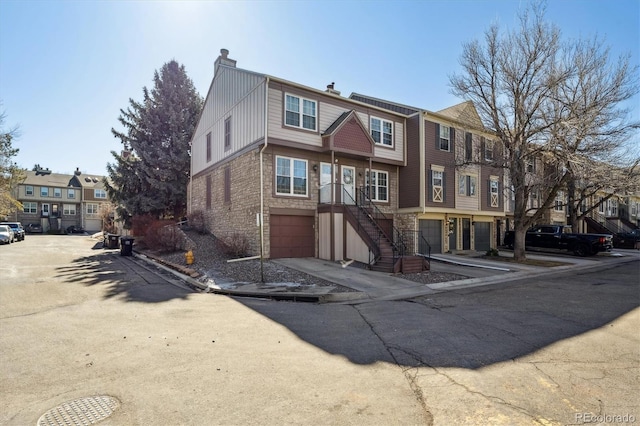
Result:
304,172
56,201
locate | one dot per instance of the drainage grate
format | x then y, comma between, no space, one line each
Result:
80,412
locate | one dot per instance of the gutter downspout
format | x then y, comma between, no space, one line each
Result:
423,161
266,143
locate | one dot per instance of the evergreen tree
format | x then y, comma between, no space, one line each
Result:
153,178
10,174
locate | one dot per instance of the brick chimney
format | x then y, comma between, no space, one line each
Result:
224,59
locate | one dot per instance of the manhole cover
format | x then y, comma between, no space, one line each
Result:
83,411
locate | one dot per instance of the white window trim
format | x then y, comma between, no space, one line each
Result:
448,138
71,193
382,132
57,192
33,207
468,185
69,209
494,191
438,195
28,190
100,193
301,113
291,177
374,193
92,205
42,191
489,146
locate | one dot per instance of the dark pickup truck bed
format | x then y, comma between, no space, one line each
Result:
559,237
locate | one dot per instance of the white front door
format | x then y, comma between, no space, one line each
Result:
45,209
348,185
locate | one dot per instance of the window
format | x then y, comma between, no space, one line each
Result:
614,208
227,133
99,193
28,190
467,185
437,183
468,147
488,150
93,208
208,147
208,193
44,192
494,200
29,207
601,205
382,131
71,193
634,208
227,185
300,112
291,176
69,209
531,165
379,185
57,192
559,202
445,132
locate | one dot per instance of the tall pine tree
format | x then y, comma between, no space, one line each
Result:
153,178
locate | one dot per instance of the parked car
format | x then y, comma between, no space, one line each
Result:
560,237
17,229
626,239
75,230
6,234
34,228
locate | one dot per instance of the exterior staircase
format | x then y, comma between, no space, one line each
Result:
389,251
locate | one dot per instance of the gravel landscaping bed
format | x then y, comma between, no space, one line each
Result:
211,262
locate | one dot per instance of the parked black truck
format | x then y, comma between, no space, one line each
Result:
560,237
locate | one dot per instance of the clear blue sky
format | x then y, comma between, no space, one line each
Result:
68,67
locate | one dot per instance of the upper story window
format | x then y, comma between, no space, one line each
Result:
378,185
71,193
227,133
559,202
493,193
382,131
28,190
300,112
208,147
468,147
531,165
488,150
99,193
445,135
437,185
291,176
44,192
57,192
467,185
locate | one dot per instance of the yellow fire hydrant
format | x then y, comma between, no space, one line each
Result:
189,257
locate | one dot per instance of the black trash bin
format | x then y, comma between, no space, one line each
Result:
126,246
112,241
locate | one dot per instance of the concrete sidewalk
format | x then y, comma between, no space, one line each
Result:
370,285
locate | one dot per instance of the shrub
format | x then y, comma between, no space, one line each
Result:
164,235
197,222
235,245
140,224
492,252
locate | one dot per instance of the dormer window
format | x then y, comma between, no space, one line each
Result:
300,112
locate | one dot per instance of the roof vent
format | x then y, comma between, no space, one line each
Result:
77,172
95,180
87,179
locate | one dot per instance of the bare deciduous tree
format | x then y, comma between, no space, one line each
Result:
548,102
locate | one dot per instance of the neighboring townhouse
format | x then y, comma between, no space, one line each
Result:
448,191
322,168
57,201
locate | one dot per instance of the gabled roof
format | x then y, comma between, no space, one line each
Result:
464,112
348,135
59,180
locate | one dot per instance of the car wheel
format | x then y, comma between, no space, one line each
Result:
581,250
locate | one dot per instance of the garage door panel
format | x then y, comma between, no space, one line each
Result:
292,236
432,231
